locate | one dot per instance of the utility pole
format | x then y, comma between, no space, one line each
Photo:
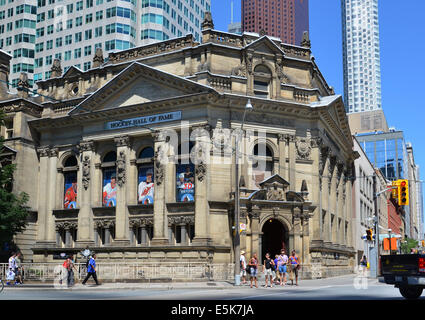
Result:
375,203
248,107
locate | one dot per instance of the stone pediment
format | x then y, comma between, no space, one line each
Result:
273,189
265,45
72,72
138,84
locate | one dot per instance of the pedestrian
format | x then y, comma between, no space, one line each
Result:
295,266
19,272
70,268
91,270
267,269
243,267
282,262
363,264
253,269
276,278
12,268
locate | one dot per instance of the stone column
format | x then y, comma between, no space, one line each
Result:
306,237
201,185
67,237
292,158
143,235
85,184
183,234
160,220
297,230
283,168
316,190
42,196
255,232
51,195
121,209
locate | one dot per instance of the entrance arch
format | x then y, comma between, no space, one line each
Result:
274,238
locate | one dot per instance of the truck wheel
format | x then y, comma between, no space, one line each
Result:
411,293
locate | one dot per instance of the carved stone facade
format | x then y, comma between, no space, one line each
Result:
126,106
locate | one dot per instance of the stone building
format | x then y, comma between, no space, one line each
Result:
95,153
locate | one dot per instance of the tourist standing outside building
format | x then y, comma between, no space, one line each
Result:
91,270
243,267
282,262
276,278
253,269
267,269
295,265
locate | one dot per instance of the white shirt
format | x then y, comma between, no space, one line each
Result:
12,263
145,190
243,261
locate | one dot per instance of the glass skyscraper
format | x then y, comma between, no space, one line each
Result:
361,55
387,152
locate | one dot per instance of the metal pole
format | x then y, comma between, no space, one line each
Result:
375,202
237,205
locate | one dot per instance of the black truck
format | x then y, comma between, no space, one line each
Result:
406,272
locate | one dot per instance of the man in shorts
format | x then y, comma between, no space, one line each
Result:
243,267
282,262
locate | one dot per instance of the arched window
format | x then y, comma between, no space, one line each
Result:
262,163
109,191
262,81
185,176
145,189
70,167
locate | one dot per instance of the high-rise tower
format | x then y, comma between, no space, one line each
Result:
285,19
361,55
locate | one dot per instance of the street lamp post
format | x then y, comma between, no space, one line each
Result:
248,107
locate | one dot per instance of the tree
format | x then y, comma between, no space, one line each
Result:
408,245
13,208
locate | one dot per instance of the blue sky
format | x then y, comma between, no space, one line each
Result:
402,37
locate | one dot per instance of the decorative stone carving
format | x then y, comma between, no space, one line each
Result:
248,59
43,151
208,21
53,152
86,171
305,42
86,146
316,142
121,168
159,166
279,70
275,192
98,58
23,85
200,171
122,141
181,220
56,70
303,148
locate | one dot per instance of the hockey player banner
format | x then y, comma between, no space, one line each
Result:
145,191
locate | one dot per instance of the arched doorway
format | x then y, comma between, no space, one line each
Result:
274,238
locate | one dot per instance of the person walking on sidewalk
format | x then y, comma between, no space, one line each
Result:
91,270
19,271
267,269
253,267
243,267
70,266
295,266
282,262
276,273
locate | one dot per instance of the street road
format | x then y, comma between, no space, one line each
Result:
341,288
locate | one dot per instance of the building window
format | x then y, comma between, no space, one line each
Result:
109,193
185,178
70,168
145,189
262,80
262,164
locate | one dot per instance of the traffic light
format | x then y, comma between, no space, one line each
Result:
403,193
369,234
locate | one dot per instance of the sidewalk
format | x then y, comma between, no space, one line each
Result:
341,280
